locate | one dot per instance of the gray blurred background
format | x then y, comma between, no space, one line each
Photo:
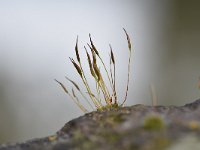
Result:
37,37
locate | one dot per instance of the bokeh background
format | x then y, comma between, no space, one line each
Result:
37,37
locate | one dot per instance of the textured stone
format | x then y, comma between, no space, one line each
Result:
136,127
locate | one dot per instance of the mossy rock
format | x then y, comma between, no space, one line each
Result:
136,127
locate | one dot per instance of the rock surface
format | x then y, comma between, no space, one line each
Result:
136,127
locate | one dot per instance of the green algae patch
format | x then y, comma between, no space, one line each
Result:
112,120
160,143
115,118
110,137
80,139
153,122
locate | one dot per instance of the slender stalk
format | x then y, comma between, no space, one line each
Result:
105,70
129,62
153,95
111,74
98,92
97,75
114,84
103,91
76,101
97,104
77,87
115,94
83,77
127,85
97,72
96,51
100,80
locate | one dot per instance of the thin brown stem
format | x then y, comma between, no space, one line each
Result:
129,63
127,85
77,87
76,101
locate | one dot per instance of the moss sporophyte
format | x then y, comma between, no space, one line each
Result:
105,95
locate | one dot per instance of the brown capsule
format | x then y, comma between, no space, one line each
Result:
97,72
128,39
76,50
62,85
93,47
90,63
77,87
76,66
93,53
112,55
73,93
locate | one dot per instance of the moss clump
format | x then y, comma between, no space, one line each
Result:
115,118
80,139
108,107
110,137
153,122
105,93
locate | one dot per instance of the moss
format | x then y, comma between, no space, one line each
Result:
78,136
80,139
153,122
108,107
110,137
102,92
113,119
160,143
116,118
